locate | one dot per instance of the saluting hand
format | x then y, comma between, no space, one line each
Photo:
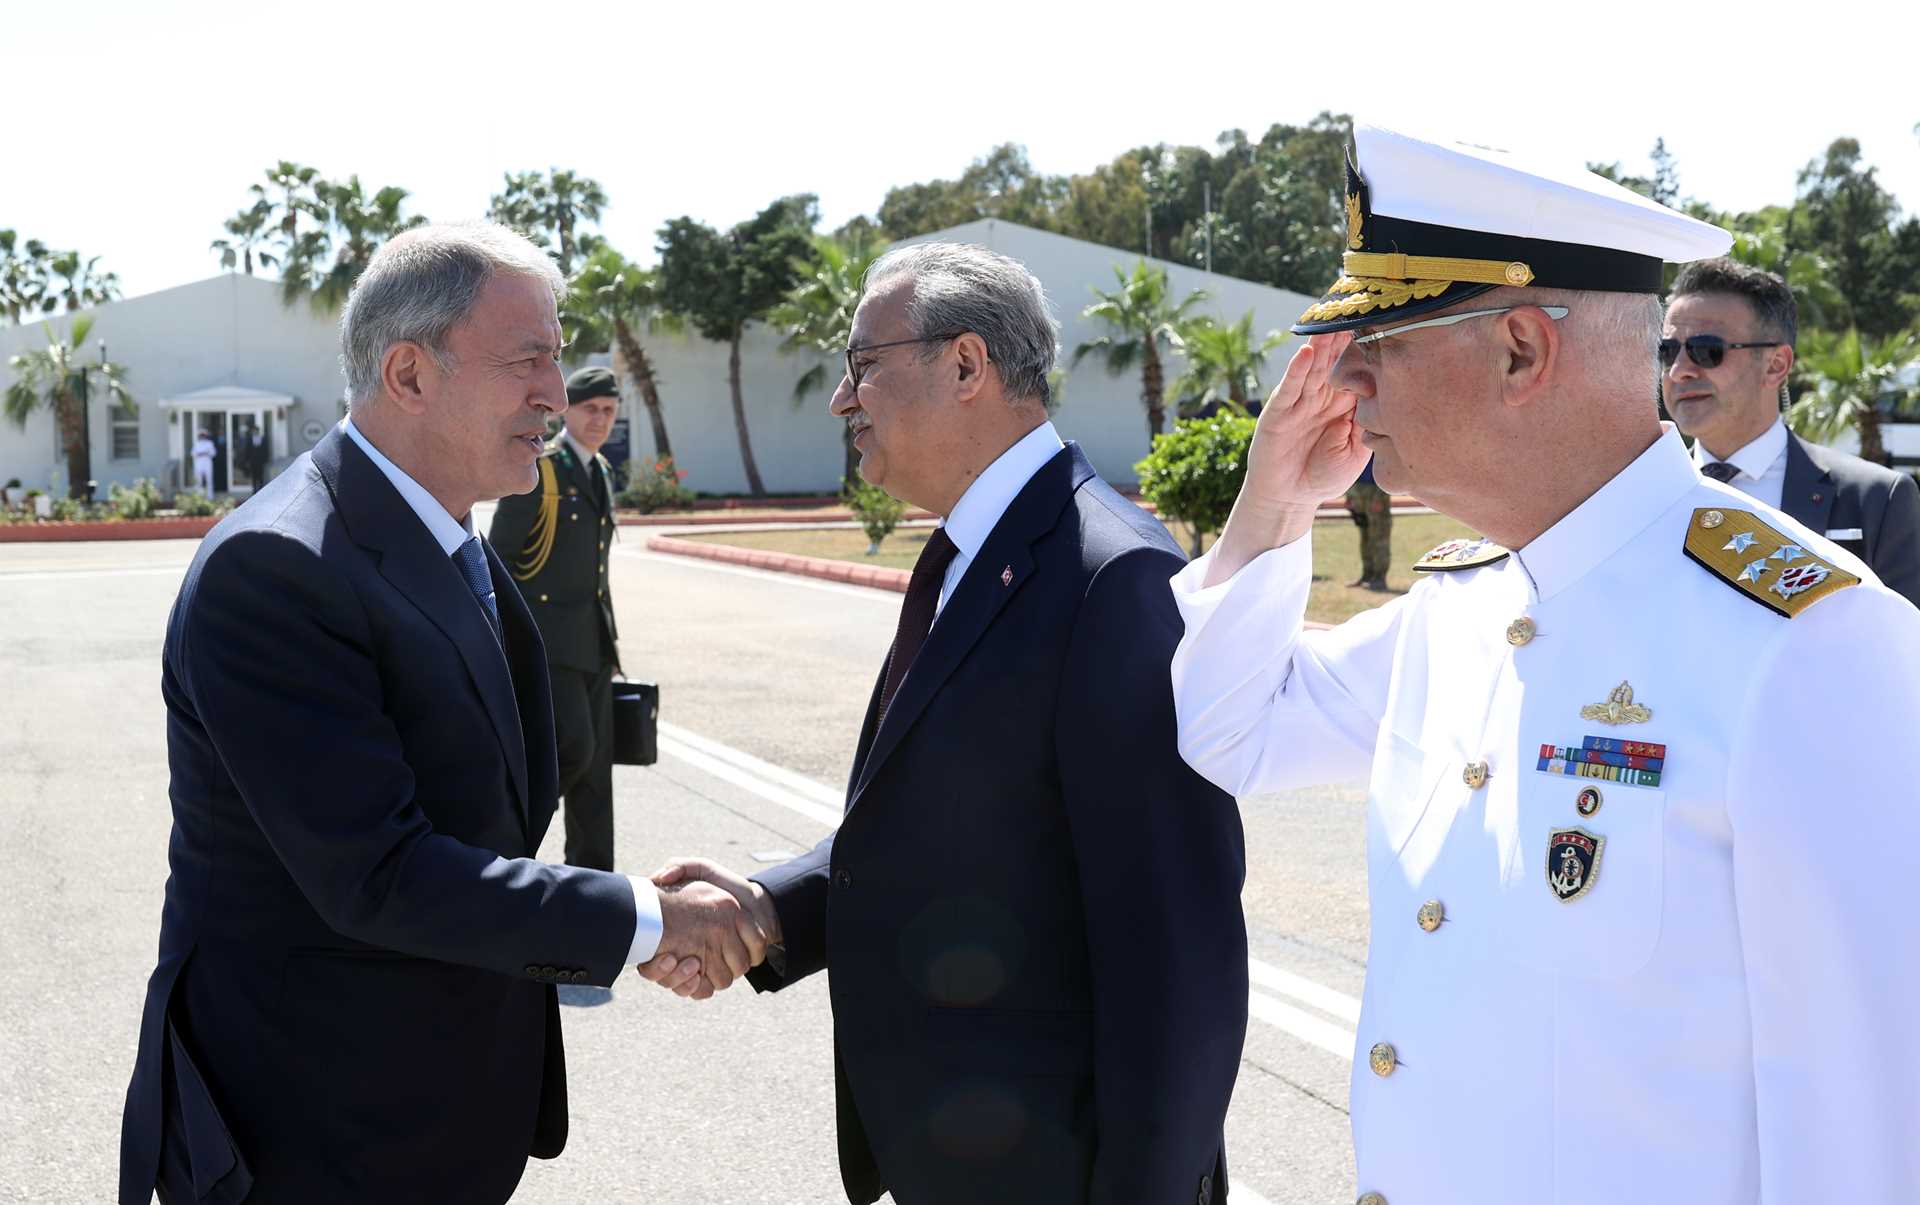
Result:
1306,450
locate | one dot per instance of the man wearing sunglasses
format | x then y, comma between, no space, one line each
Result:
1725,353
1632,760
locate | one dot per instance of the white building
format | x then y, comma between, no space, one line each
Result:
226,354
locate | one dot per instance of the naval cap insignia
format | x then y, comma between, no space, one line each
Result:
1573,862
1618,709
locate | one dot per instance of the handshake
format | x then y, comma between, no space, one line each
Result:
715,926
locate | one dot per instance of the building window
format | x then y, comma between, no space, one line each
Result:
126,435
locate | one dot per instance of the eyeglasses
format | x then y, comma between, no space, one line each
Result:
1555,312
1705,350
854,347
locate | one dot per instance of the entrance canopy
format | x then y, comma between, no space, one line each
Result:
228,398
231,415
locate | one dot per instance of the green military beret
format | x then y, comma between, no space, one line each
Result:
591,382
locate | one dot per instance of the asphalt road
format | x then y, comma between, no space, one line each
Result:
763,681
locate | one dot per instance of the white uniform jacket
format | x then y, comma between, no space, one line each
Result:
1721,1002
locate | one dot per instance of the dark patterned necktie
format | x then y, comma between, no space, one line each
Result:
473,567
1720,471
917,612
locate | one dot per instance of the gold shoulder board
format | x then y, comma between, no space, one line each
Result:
1740,549
1461,554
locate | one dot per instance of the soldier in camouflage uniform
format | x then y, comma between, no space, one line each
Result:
1373,514
556,540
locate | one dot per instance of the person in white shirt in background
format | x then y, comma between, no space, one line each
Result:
203,452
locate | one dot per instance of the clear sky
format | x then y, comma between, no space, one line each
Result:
136,127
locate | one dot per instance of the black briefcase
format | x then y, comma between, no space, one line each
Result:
636,722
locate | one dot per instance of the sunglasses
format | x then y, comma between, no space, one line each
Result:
1708,351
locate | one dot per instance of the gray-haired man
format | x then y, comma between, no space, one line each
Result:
1021,838
355,992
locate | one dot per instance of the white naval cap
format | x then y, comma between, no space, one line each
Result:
1433,223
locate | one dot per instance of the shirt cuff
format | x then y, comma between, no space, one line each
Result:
646,922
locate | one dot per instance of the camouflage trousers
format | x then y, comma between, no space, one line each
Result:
1373,514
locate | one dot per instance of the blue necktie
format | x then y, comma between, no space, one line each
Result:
473,566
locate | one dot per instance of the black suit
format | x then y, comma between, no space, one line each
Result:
1031,911
569,590
353,1000
1832,491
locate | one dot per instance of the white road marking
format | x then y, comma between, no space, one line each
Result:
869,593
1334,1039
1306,991
822,804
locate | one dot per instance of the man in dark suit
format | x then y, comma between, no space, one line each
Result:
557,540
354,999
1726,351
1030,915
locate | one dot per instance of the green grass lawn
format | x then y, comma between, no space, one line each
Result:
1336,555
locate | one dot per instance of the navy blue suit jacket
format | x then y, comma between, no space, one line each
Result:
1030,914
354,995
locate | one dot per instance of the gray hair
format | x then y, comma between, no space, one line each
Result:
421,285
961,287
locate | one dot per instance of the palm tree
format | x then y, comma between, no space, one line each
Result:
549,209
56,378
288,195
1145,320
1221,357
1847,381
23,275
363,224
248,229
817,319
73,280
608,300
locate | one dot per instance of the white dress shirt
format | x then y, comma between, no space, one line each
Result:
1762,464
1721,1011
980,508
450,535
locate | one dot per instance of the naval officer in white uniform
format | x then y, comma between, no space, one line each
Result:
1642,821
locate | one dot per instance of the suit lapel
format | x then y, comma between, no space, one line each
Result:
977,600
1807,491
380,520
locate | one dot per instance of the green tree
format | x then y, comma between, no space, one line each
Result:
1854,223
1221,359
248,234
74,280
59,380
1000,184
550,209
360,225
1851,381
817,320
1144,320
1195,471
1765,240
722,282
23,276
609,302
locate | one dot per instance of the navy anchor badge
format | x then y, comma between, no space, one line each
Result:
1573,862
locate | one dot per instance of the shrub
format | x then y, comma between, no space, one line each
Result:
66,510
654,487
136,501
1194,472
878,511
194,504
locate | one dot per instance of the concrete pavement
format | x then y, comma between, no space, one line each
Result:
763,682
